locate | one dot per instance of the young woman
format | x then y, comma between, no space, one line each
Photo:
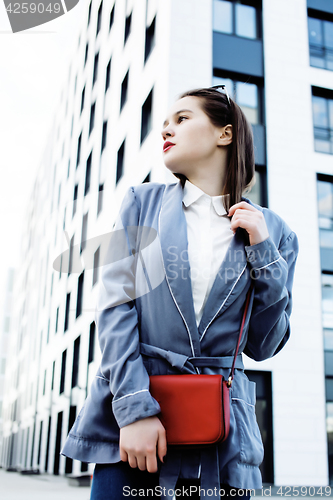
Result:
181,296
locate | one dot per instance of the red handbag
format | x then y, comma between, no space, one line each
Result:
195,409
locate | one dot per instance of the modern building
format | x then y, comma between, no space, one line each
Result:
4,340
132,60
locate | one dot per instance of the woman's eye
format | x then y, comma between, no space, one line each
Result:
181,118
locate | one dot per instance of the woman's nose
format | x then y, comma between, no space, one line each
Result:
167,132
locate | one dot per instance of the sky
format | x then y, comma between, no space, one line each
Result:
33,67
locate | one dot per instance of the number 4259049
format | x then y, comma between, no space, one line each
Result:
33,8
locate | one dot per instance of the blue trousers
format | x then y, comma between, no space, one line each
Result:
118,481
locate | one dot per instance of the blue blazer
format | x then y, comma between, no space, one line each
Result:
146,326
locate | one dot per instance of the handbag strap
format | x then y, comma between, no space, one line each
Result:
231,375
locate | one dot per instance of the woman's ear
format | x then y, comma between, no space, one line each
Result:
225,136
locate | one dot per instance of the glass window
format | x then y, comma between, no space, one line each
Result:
245,20
321,43
329,429
328,339
247,99
325,198
246,96
315,35
326,249
320,118
323,124
326,239
235,18
222,16
328,34
327,300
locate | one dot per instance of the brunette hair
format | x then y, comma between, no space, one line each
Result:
240,168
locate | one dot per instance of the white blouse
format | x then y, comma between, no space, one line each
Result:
209,236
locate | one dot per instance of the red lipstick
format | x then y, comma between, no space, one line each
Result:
167,145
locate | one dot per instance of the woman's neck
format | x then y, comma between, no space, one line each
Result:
211,186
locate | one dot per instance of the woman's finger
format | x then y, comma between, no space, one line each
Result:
151,461
141,461
123,455
162,444
242,205
132,461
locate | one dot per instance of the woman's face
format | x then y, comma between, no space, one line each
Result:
190,140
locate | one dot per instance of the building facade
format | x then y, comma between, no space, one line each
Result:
132,60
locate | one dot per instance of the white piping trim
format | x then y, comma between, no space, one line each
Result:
242,400
263,267
102,378
166,277
132,394
222,303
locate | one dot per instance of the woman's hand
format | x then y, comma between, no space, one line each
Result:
138,443
249,218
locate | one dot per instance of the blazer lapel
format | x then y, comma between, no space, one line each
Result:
174,244
231,275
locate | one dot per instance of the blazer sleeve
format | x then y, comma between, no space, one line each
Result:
117,322
272,271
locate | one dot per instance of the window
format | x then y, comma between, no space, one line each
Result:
76,361
108,76
99,18
146,179
128,24
52,379
71,251
258,193
88,175
44,383
79,295
322,108
68,299
237,18
82,98
325,214
111,17
89,13
84,231
100,198
40,442
86,54
56,322
63,372
91,353
95,74
264,415
124,91
320,40
96,266
92,117
75,199
78,150
104,135
247,96
150,38
71,419
146,116
120,161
